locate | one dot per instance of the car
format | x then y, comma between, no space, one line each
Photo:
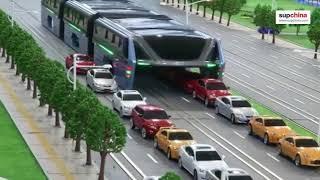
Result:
170,139
82,60
149,118
303,150
207,90
227,174
101,80
124,101
271,129
198,158
235,108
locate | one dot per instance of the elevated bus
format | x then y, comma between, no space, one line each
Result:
128,36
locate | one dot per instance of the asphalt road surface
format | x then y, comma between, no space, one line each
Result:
273,81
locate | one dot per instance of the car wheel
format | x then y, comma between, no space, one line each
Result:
132,125
144,133
169,154
155,143
280,150
206,102
194,94
297,161
233,119
113,106
180,163
250,130
216,110
266,139
195,175
121,112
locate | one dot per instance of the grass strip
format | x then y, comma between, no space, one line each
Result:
17,161
263,110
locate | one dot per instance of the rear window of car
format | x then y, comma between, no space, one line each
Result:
83,58
103,75
240,178
241,103
274,122
180,136
132,97
216,86
306,143
158,114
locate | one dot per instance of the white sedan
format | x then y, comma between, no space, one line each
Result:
125,100
101,80
197,159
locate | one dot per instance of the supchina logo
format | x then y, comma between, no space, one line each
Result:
292,17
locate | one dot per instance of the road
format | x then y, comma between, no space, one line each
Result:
262,162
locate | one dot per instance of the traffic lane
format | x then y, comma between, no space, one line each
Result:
237,135
285,94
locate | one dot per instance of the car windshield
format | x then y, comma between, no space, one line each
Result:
274,122
180,136
216,86
207,156
159,114
132,97
241,103
240,178
103,75
306,143
83,58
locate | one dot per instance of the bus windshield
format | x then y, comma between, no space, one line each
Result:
176,47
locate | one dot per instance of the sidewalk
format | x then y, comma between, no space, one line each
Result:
54,153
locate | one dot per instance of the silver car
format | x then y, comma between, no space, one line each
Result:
235,108
101,80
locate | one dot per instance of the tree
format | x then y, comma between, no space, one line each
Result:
170,176
4,22
315,15
314,37
276,28
232,7
221,8
298,26
214,7
105,134
7,30
261,18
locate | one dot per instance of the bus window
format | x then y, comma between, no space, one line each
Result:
140,53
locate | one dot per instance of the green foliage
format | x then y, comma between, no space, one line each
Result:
170,176
262,15
315,16
272,22
314,34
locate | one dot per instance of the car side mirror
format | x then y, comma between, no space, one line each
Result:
169,116
144,98
140,115
228,87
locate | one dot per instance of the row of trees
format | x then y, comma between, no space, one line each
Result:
314,31
230,7
84,116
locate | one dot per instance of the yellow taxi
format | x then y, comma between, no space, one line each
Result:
302,150
170,139
271,129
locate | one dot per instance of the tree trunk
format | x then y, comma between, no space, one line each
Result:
167,1
78,144
17,71
198,7
220,18
89,160
28,83
212,15
178,4
172,3
57,122
262,36
8,59
49,110
34,95
190,8
184,4
204,10
102,165
273,38
229,18
66,133
3,52
297,30
316,51
23,77
12,63
41,102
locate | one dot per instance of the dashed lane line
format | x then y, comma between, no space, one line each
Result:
272,157
299,101
210,115
238,134
152,158
183,98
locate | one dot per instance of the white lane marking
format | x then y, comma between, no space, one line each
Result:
152,158
272,157
278,101
129,136
109,99
185,99
270,87
234,154
299,101
239,134
245,75
253,48
274,57
210,115
122,166
235,41
133,164
299,67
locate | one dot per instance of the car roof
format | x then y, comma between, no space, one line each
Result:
101,70
236,171
202,147
269,117
129,92
149,107
300,137
210,80
173,129
236,98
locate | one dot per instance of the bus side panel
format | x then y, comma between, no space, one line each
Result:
221,59
50,21
76,39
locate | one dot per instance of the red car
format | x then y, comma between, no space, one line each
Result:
207,89
149,119
81,59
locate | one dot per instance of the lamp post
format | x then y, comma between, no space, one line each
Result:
189,4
